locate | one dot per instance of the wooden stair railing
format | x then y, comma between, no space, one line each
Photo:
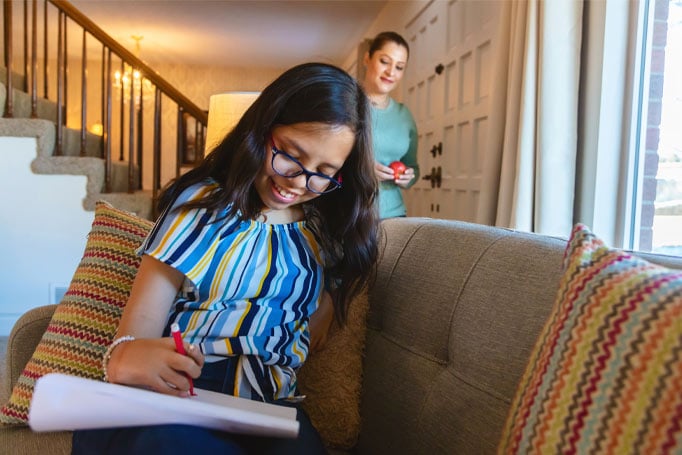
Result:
188,150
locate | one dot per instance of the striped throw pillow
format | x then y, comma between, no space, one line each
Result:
605,375
86,319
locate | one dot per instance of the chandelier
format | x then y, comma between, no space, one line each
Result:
131,79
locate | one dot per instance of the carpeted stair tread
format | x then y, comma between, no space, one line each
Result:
21,107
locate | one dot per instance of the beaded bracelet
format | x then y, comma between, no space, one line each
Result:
112,346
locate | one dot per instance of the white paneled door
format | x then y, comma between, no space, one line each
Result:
447,88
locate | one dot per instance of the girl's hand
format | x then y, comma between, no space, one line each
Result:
320,322
155,364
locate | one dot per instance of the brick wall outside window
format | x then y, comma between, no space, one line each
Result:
657,65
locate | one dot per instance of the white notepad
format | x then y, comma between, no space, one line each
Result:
62,402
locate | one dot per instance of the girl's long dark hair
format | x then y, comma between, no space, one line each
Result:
345,220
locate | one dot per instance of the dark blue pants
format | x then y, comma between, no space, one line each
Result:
190,440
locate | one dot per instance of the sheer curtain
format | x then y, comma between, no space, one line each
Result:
530,163
562,141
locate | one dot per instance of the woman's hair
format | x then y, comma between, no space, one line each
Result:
345,220
387,37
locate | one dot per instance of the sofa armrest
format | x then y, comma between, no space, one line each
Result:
23,340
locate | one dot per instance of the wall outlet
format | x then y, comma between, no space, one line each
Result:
57,292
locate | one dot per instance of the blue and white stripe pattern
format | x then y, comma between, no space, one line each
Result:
250,288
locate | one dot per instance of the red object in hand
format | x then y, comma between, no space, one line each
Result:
398,168
180,348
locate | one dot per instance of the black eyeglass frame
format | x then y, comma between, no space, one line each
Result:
332,181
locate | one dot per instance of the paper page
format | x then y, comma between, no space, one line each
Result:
63,402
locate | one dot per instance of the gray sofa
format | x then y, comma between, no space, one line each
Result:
455,311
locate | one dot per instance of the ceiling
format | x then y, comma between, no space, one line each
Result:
236,33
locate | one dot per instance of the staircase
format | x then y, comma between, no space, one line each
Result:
65,146
71,161
56,94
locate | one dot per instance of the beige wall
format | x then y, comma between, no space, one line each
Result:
199,83
196,82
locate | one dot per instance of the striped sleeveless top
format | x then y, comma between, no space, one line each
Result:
249,290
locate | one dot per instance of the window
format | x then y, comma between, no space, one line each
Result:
660,204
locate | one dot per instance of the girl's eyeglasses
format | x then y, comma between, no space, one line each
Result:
287,166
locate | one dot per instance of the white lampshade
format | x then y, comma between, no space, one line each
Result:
224,111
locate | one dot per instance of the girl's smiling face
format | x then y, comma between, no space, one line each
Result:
317,146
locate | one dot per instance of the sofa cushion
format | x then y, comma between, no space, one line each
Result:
86,319
338,368
605,374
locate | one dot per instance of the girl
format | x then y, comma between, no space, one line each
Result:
394,129
254,252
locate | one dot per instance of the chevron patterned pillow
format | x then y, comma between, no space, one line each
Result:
86,319
605,375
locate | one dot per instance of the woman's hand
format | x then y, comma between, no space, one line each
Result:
384,173
405,178
320,322
156,365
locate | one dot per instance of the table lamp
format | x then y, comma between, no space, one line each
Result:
224,111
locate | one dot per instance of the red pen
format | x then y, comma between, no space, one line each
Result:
180,347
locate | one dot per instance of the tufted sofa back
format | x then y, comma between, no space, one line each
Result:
454,315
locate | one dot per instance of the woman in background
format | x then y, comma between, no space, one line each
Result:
394,132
